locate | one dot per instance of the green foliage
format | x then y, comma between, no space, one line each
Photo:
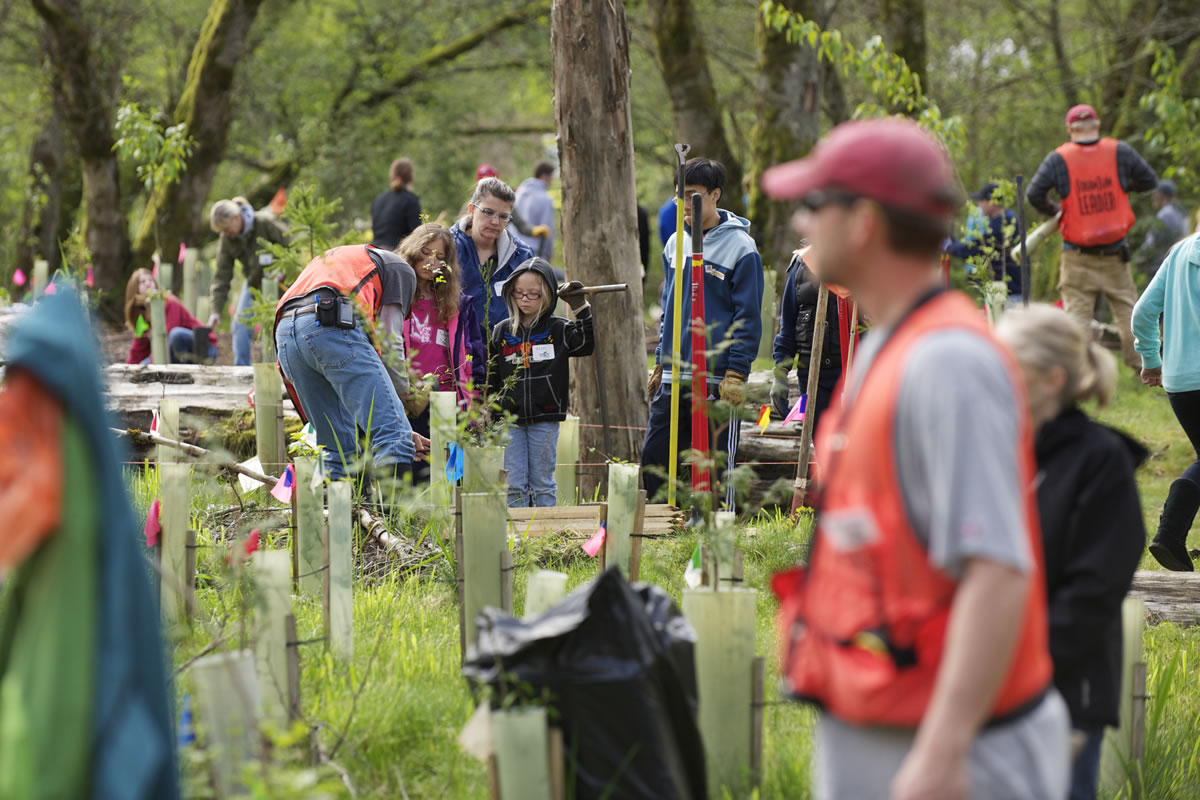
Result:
1175,112
158,152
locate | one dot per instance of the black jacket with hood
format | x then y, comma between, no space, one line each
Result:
1093,538
536,358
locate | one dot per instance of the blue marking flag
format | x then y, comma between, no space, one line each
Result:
454,463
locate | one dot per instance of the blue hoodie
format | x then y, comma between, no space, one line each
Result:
733,291
510,254
1174,292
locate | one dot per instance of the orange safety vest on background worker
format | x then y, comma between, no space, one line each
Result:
862,629
1096,212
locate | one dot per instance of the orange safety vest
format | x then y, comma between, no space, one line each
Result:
863,628
1096,211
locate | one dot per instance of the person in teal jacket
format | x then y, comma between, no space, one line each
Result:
1174,293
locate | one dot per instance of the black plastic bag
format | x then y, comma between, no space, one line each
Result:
615,663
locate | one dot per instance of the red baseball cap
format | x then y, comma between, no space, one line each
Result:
1081,113
485,171
892,161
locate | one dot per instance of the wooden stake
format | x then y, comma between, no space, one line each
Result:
522,753
41,277
544,590
485,520
168,428
725,651
635,544
443,411
622,514
273,606
566,471
175,511
270,293
227,706
758,677
268,418
800,487
308,533
293,667
158,331
506,580
339,610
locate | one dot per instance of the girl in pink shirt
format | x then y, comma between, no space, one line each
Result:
180,340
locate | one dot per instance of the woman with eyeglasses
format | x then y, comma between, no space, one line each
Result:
487,252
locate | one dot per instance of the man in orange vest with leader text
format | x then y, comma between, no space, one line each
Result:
1093,177
918,627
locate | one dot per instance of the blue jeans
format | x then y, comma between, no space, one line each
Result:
344,390
181,346
1085,772
242,335
530,459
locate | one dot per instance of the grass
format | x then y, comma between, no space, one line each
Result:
391,718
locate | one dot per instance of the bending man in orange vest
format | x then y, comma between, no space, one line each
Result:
919,625
1093,177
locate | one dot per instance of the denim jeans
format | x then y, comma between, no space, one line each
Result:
344,390
242,334
530,458
1085,772
656,446
181,346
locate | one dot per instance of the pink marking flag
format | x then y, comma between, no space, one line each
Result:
592,545
90,279
19,278
250,397
51,288
182,251
153,526
154,422
285,486
797,412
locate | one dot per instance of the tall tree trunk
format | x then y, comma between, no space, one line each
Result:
694,107
176,212
787,126
1066,73
86,91
589,43
904,35
41,218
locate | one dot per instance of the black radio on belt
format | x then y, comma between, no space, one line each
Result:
337,312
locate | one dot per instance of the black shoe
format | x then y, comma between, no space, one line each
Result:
1172,555
1169,547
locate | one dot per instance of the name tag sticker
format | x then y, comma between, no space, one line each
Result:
442,338
543,352
265,259
498,285
716,273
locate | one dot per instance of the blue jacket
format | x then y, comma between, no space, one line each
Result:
1174,292
733,291
536,207
510,254
666,219
998,246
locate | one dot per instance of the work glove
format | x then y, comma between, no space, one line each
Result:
654,382
572,294
540,231
733,388
416,402
779,392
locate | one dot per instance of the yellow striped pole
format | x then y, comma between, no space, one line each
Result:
681,151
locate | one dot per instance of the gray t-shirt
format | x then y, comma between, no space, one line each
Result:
956,455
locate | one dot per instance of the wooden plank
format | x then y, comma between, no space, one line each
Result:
566,473
1117,750
481,469
309,534
168,428
725,652
622,514
175,512
590,512
583,528
268,419
340,616
522,748
190,254
270,293
443,420
227,706
544,589
273,604
158,330
485,537
1168,596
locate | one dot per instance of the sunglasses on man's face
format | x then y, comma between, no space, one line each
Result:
816,200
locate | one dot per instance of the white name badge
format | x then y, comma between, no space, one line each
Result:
265,259
543,352
498,285
442,338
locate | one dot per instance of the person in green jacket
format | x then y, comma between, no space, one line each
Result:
1174,294
241,229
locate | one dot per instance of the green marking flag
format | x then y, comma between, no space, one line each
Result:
141,326
692,575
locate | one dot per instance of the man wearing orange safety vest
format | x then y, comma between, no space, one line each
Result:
339,335
1093,177
919,626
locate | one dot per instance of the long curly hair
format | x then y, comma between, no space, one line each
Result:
135,301
445,286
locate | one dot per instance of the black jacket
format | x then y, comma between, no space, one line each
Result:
394,215
530,371
797,318
1093,538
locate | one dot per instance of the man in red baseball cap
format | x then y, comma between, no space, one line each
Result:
1093,177
919,626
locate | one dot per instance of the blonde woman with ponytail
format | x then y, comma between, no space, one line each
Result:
1091,516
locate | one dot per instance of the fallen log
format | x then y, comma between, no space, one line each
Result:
198,452
1169,596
